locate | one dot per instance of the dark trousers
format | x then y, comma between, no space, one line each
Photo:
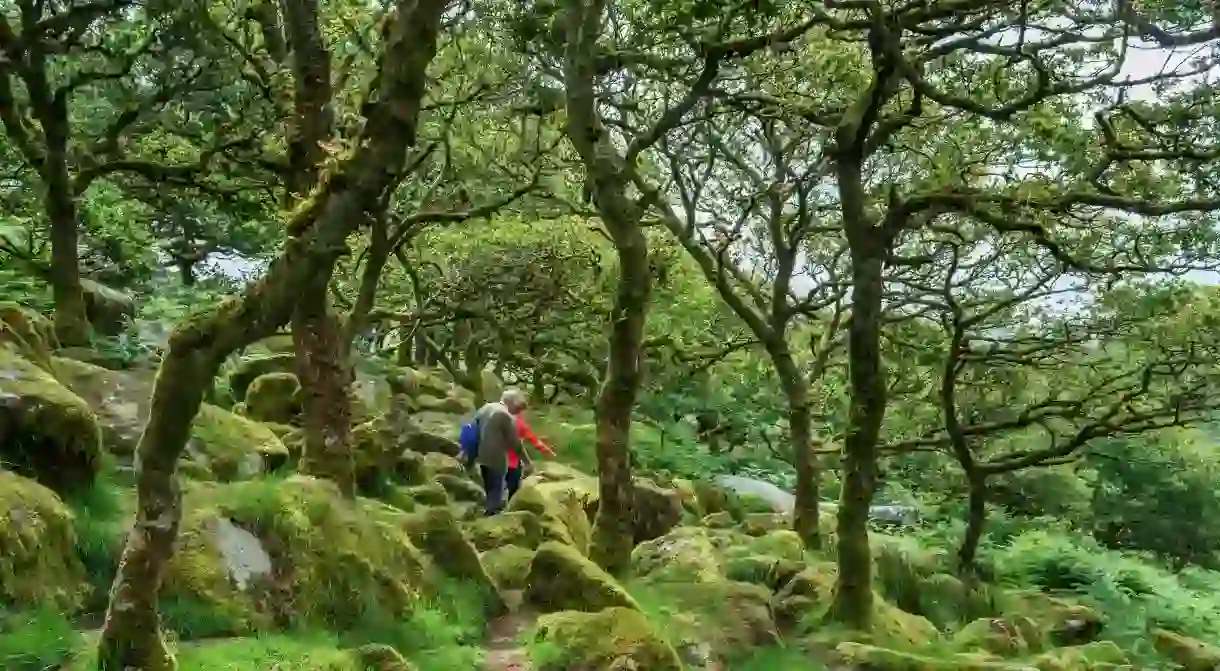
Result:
512,480
493,486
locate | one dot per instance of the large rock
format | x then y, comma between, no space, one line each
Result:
1188,653
232,447
519,528
109,310
508,566
46,432
610,639
684,555
248,369
274,397
560,578
31,334
331,561
560,506
436,532
38,564
223,444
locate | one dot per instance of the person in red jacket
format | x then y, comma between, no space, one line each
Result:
517,463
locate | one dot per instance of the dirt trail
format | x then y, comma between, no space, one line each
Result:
504,651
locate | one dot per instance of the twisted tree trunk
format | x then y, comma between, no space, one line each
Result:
131,636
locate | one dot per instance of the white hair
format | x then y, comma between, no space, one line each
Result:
513,398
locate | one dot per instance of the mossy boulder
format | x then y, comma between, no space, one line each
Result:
108,310
656,509
29,333
610,639
428,442
1095,656
233,447
1063,622
428,495
518,528
324,559
1188,653
508,566
410,468
720,520
38,561
451,404
437,464
686,554
561,578
856,655
992,634
461,488
726,616
274,397
436,532
415,382
47,432
560,506
380,657
761,524
247,370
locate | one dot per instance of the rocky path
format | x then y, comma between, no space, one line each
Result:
503,643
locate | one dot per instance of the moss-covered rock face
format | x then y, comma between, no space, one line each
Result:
657,509
46,432
415,382
461,488
1189,653
428,495
333,562
508,566
437,533
274,397
451,404
223,444
686,554
518,528
614,638
232,447
108,309
560,506
38,561
248,369
29,333
560,578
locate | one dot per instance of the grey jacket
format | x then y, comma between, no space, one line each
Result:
497,435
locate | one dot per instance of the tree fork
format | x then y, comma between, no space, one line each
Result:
131,638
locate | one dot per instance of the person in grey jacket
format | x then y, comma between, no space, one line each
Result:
497,437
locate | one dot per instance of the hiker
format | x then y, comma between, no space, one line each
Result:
489,439
516,467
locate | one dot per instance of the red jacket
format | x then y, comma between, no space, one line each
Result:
524,432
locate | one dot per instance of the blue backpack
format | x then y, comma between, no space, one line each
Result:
468,440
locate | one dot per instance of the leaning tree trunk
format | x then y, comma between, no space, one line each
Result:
613,528
853,595
71,317
131,636
800,437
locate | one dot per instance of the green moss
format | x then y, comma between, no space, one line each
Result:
560,506
336,562
518,528
1189,653
461,488
428,495
508,566
51,434
1094,656
727,617
38,562
28,332
994,635
686,554
614,638
233,447
247,370
274,397
863,656
560,578
436,532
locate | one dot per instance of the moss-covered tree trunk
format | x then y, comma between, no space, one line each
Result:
606,178
131,637
613,527
323,353
800,438
976,520
853,595
71,318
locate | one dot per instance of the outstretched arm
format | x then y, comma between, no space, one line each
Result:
527,433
